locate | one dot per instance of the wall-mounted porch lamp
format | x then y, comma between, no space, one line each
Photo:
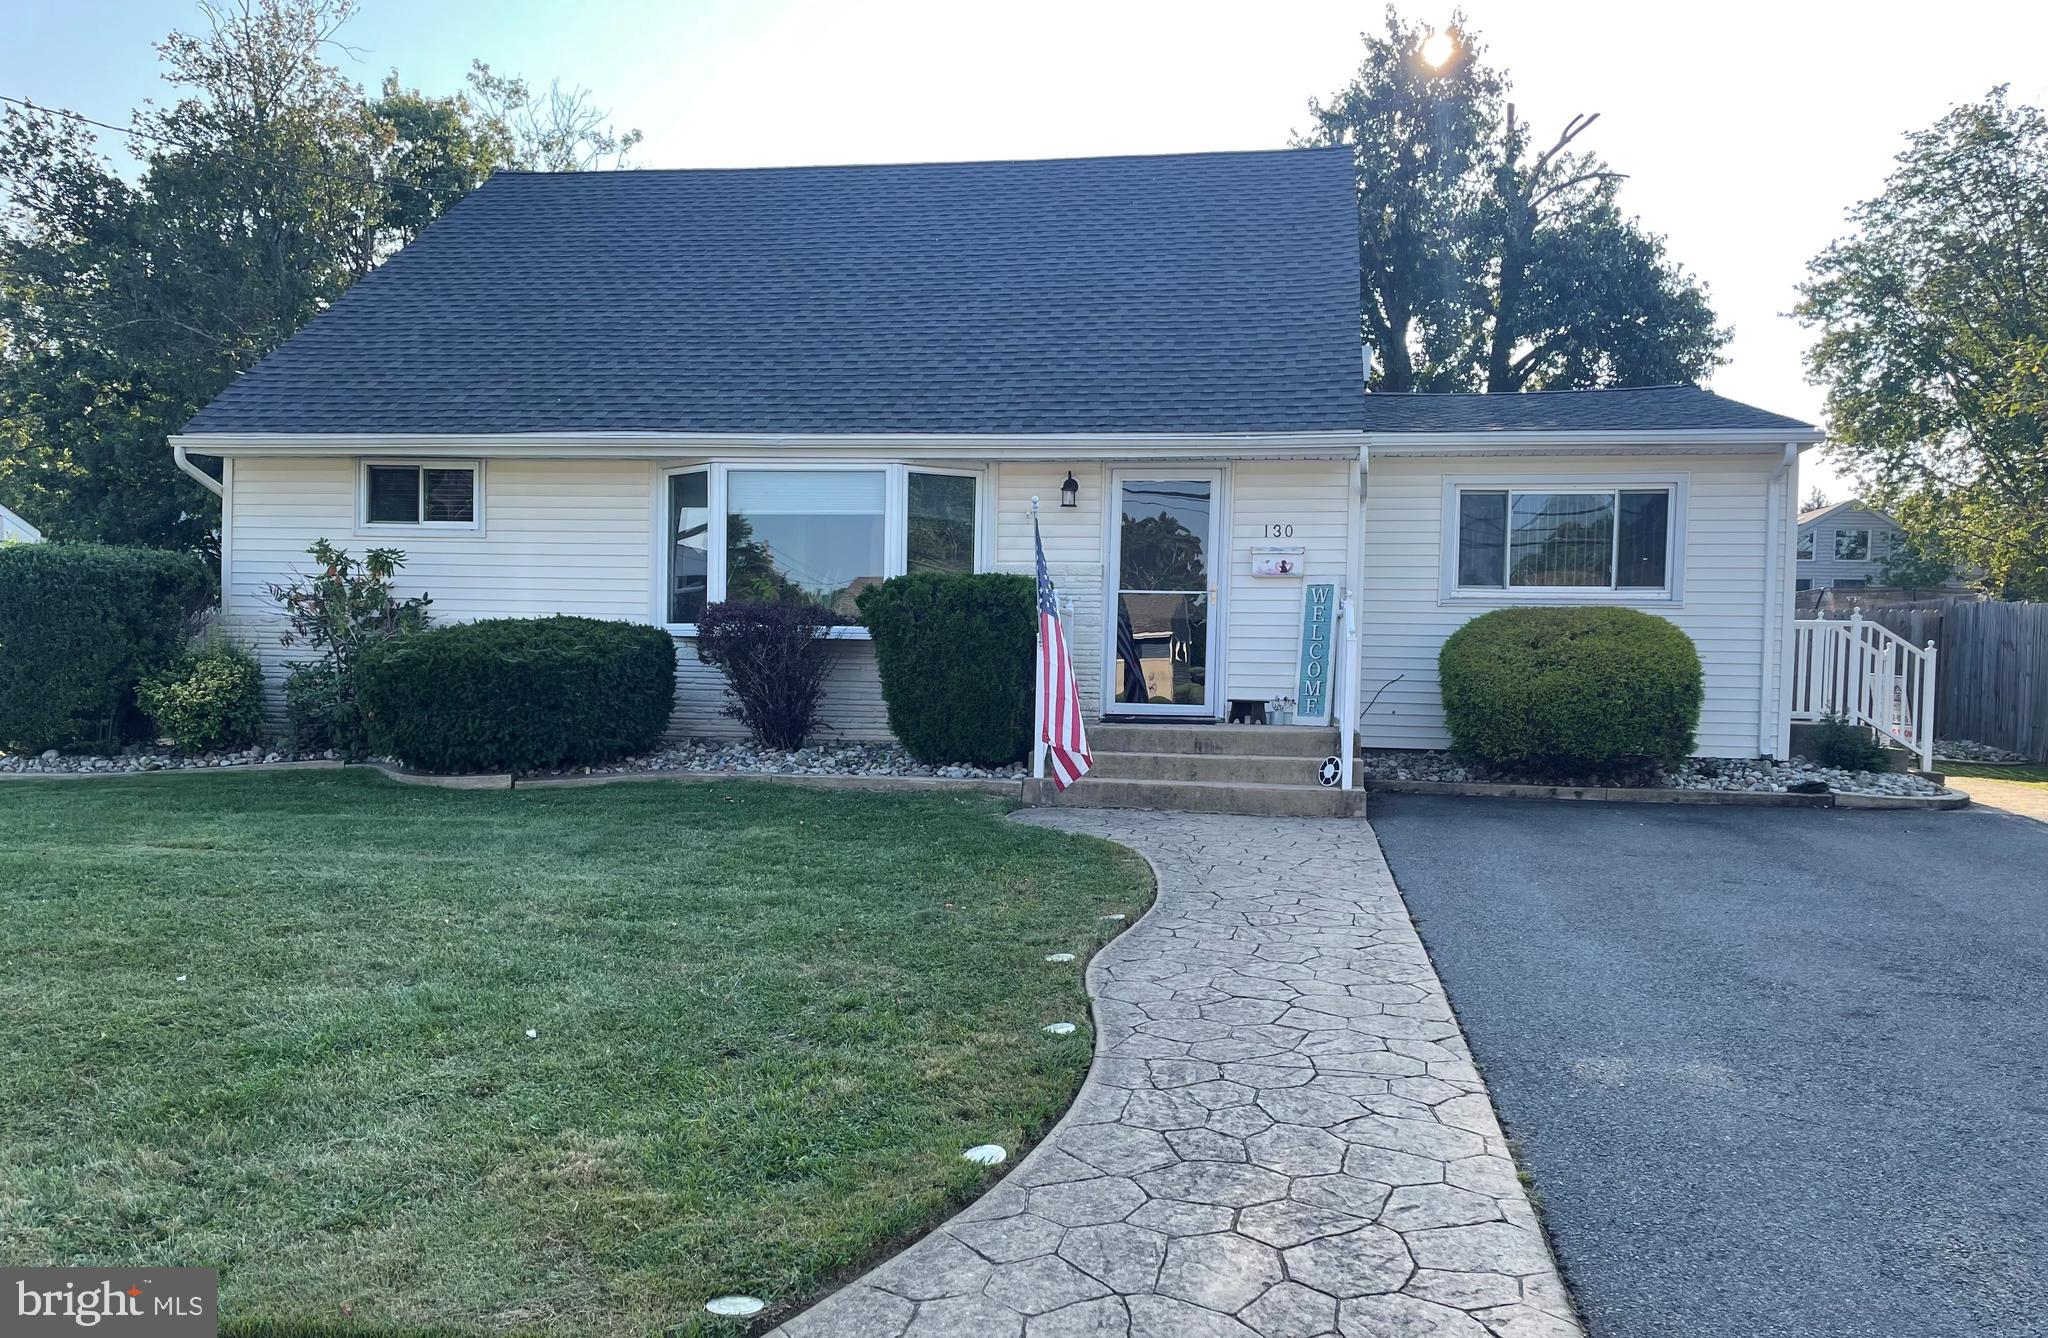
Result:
1070,491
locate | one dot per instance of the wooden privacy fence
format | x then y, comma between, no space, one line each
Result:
1994,668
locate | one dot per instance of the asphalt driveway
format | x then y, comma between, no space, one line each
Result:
1773,1071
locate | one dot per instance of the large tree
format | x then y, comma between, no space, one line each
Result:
265,188
1933,342
1491,260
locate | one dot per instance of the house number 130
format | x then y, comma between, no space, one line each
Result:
1279,532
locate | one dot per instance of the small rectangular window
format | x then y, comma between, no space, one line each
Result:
940,534
1482,539
420,495
1852,545
689,527
1806,546
1610,539
394,495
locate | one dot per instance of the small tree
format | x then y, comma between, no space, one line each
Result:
341,612
775,658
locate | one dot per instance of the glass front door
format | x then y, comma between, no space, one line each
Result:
1163,552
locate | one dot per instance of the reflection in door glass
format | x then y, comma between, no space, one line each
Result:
1162,647
1165,535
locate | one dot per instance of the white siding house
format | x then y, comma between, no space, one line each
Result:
1846,545
623,395
15,530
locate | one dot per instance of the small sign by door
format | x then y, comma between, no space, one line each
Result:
1318,621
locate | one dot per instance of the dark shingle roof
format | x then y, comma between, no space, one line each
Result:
1635,409
1183,293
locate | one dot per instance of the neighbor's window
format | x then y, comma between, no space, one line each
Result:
420,495
939,534
1606,539
689,528
1852,545
811,535
1806,546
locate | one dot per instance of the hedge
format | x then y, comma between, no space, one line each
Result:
518,694
955,655
209,700
1570,691
80,626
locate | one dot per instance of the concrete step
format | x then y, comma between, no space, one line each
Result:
1317,741
1266,801
1234,767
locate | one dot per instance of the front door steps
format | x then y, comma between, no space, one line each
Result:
1263,770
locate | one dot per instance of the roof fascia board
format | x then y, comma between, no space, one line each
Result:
1490,443
659,445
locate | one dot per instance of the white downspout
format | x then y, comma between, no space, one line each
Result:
208,481
1773,725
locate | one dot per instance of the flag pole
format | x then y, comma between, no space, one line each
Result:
1037,675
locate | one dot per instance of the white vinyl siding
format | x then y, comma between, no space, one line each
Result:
1404,618
563,536
1261,648
1075,548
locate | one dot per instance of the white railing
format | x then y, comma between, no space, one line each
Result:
1344,692
1868,674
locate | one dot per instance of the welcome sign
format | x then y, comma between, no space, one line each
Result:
1318,622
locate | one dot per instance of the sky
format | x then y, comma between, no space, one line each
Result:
1747,129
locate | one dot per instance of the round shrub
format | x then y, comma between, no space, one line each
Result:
1570,691
80,626
775,658
518,694
211,699
955,655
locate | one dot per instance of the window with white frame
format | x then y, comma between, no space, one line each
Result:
1806,546
812,534
420,494
1564,540
1852,545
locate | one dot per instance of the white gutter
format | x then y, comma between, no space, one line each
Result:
1482,443
659,445
184,462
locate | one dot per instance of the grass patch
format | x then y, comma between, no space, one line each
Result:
2018,775
769,1020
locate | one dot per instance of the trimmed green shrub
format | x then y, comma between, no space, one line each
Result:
212,699
1570,691
340,611
80,626
955,654
518,694
775,658
1834,742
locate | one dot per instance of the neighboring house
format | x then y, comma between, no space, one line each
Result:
1845,544
15,530
625,394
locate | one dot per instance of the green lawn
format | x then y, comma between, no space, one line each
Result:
277,1024
2018,775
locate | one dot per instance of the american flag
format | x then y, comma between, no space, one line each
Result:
1059,705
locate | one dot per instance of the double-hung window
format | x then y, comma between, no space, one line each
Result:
426,495
813,534
1563,542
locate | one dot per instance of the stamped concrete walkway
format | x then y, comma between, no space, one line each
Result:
1282,1135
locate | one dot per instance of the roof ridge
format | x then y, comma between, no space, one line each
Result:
1180,155
1573,390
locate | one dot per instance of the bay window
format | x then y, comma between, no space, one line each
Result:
1561,542
814,534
